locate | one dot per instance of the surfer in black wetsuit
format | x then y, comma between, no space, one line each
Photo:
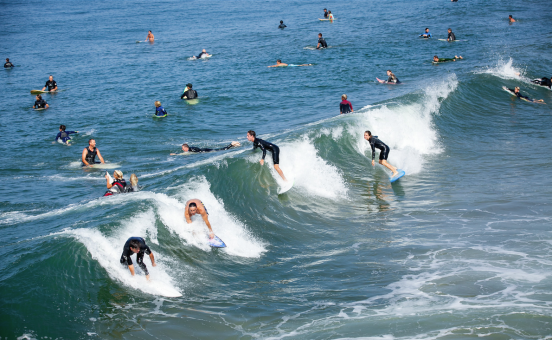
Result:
543,82
282,26
325,13
436,59
375,143
89,154
40,103
138,246
202,54
321,42
264,146
8,64
187,148
451,36
345,106
518,94
189,93
50,84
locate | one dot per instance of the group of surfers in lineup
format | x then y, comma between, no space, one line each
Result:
117,184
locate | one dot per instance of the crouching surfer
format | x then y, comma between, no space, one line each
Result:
384,152
195,206
138,246
89,154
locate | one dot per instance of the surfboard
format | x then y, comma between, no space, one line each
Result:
286,187
40,91
326,19
192,101
216,242
156,116
451,40
106,166
399,175
40,109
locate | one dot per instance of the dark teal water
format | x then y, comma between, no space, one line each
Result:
459,248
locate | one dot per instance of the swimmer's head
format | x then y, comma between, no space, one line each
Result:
51,77
62,128
325,9
320,35
510,16
251,135
38,97
149,31
157,103
192,208
449,30
118,174
367,135
279,61
133,180
281,21
185,147
389,72
516,89
427,29
435,58
344,97
134,245
92,142
204,51
8,59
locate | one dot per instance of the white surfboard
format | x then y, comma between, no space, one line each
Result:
286,187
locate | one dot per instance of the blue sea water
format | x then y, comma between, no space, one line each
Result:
459,248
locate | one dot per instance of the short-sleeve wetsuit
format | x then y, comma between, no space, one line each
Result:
322,43
264,145
376,143
125,258
51,84
40,104
451,36
345,106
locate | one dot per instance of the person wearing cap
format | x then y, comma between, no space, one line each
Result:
189,93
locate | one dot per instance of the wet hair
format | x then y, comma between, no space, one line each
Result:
329,11
279,61
282,21
119,173
157,103
62,127
252,133
320,34
344,96
186,145
435,57
39,96
325,9
516,88
91,139
449,29
509,16
134,244
368,132
426,28
134,180
192,205
51,76
150,31
8,59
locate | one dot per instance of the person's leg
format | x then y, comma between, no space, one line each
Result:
383,161
277,167
276,160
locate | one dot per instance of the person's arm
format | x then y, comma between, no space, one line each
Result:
318,45
131,268
84,153
185,94
206,220
187,215
109,185
71,132
100,156
351,105
44,88
58,135
261,146
373,152
153,264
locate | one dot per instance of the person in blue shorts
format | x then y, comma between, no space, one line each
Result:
64,135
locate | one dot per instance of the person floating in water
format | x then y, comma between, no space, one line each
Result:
436,59
89,154
279,63
159,110
40,103
138,246
189,93
195,206
321,42
345,106
264,146
64,135
510,19
150,37
187,148
518,94
115,185
392,78
203,54
375,143
133,187
426,34
451,36
546,82
8,64
325,13
50,84
282,26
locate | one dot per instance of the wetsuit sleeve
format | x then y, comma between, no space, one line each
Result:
184,94
126,255
70,132
351,106
146,249
372,145
224,148
58,135
260,146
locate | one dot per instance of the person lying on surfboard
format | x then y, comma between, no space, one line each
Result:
264,146
150,37
138,246
195,206
89,154
436,59
546,82
40,103
279,63
426,34
203,54
321,42
375,143
50,84
8,64
187,148
345,106
518,94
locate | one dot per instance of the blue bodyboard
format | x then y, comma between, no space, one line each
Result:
216,242
395,178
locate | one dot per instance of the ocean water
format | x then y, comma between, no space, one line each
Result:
459,248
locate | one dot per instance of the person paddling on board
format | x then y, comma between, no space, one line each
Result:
64,135
264,146
451,36
189,93
89,154
518,94
50,84
426,34
282,26
40,103
195,206
115,185
150,37
510,19
321,42
159,110
138,246
279,63
8,64
325,13
375,143
543,82
187,148
203,54
345,106
436,59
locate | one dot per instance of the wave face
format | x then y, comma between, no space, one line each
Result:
458,248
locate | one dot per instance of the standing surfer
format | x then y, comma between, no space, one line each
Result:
195,206
264,146
345,106
321,42
89,154
138,246
384,152
50,84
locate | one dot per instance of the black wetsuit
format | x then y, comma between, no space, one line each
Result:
264,145
451,36
282,26
376,143
51,84
40,104
196,149
322,43
190,94
393,79
201,55
325,15
543,82
119,187
127,252
8,65
90,156
519,95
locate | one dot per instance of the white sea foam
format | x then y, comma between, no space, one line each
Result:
505,70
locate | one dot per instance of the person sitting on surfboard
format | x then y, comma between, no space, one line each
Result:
384,151
264,146
40,103
50,84
282,26
203,54
279,63
426,34
150,37
138,246
518,94
325,13
189,93
89,154
345,106
451,36
510,19
8,64
115,185
436,59
543,82
321,42
64,135
392,78
159,110
187,148
195,206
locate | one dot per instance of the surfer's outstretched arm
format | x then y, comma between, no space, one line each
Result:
100,156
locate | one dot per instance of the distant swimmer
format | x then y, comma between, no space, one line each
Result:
189,93
279,63
426,34
510,19
282,26
115,185
325,13
543,82
375,143
321,42
187,148
392,78
64,135
89,154
345,106
436,59
8,64
195,206
451,36
264,146
159,110
150,37
50,84
138,246
203,54
40,103
518,94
